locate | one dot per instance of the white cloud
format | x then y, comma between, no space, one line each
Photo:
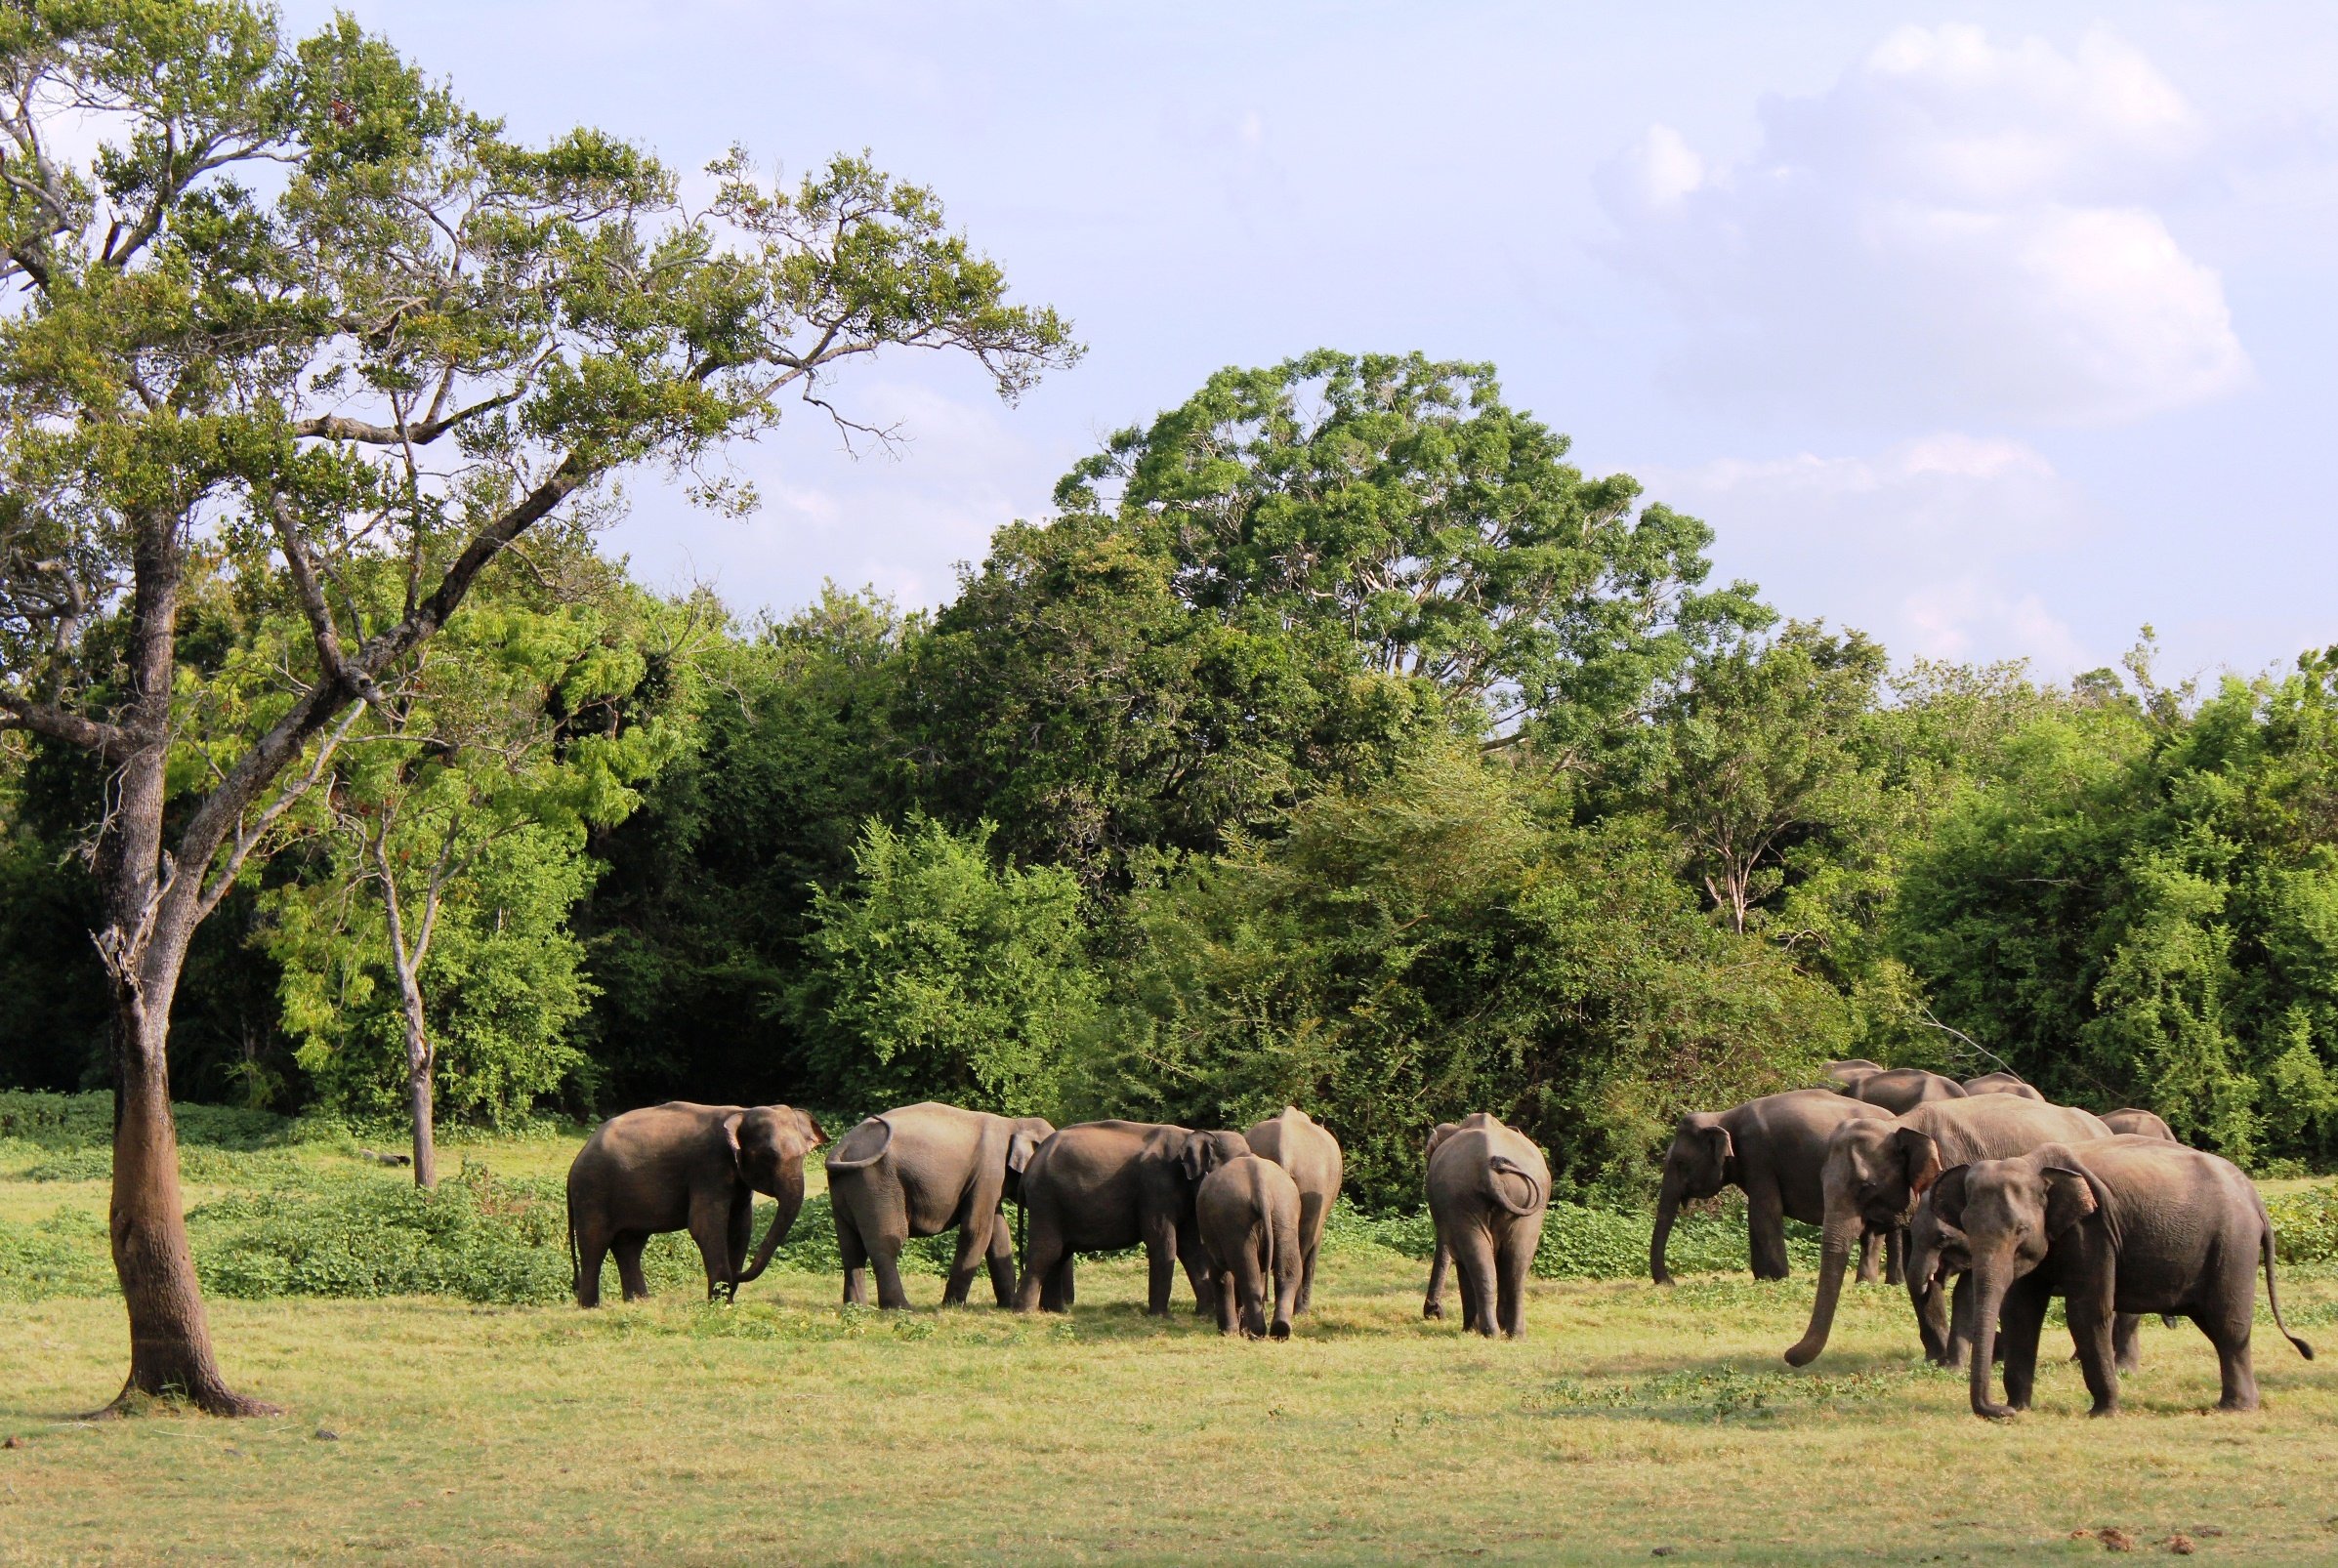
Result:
1939,542
1959,228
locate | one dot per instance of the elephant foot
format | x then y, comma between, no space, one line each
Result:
1434,1310
2103,1408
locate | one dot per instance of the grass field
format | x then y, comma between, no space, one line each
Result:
1632,1422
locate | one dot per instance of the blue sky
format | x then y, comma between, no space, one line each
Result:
1994,331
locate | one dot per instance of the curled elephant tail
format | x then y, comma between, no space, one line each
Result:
837,1162
2273,1295
1500,1166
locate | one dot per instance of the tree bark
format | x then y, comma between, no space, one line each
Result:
149,925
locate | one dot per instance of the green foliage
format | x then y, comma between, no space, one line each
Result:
2305,1224
2143,909
935,974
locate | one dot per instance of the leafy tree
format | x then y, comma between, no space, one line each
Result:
1440,531
452,835
302,310
935,974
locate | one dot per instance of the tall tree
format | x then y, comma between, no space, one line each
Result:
304,310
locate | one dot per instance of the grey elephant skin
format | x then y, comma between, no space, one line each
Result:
919,1171
1897,1089
1771,1148
2121,1225
686,1167
1307,1150
1875,1171
1099,1186
2001,1084
2140,1124
1247,1213
1938,1261
1489,1187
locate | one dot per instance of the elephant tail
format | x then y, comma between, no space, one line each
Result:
1500,1166
2273,1294
837,1162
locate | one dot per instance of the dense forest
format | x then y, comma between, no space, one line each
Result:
1336,740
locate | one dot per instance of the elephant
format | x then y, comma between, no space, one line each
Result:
1938,1260
1877,1169
1897,1089
686,1167
1772,1149
2125,1224
2140,1122
1099,1186
920,1171
1303,1147
1247,1212
2001,1084
1489,1187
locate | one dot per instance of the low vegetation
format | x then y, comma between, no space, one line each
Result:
441,1391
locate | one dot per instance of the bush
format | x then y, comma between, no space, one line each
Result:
2305,1224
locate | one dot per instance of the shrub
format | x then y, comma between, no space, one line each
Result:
2305,1224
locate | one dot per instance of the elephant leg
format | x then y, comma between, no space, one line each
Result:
1473,1259
1957,1346
628,1247
742,1235
1433,1305
1314,1210
2228,1323
1932,1323
1896,1256
1290,1278
1001,1258
2022,1319
1039,1289
884,1261
1229,1312
1870,1258
855,1256
1065,1286
1248,1286
2097,1362
710,1228
1161,1264
974,1243
1198,1273
2126,1342
1766,1230
1515,1264
591,1247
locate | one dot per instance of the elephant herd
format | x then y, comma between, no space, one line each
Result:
1984,1199
1990,1202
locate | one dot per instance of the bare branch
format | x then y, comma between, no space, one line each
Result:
90,734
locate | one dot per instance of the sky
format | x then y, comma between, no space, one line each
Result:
1995,332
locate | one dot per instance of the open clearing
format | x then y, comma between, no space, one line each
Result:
786,1430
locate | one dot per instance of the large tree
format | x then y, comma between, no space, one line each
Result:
304,313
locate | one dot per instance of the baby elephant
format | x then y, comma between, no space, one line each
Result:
1247,1212
2119,1225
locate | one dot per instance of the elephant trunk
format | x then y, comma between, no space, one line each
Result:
1841,1234
791,1203
1668,1207
1991,1280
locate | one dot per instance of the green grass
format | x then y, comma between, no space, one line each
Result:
787,1429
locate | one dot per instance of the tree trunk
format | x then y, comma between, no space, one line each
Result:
143,945
419,1059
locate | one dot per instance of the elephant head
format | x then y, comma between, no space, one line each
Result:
1203,1152
1875,1171
2009,1213
766,1145
1022,1144
1702,1161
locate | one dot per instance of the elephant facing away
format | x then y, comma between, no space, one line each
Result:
686,1167
1772,1149
1247,1212
2140,1124
1307,1150
2121,1226
920,1171
1897,1089
1099,1186
1489,1187
2001,1084
1875,1171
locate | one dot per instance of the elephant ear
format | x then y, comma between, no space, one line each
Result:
1194,1158
1919,1157
730,1140
1437,1135
1720,1148
2069,1196
1020,1148
808,1125
1948,1198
